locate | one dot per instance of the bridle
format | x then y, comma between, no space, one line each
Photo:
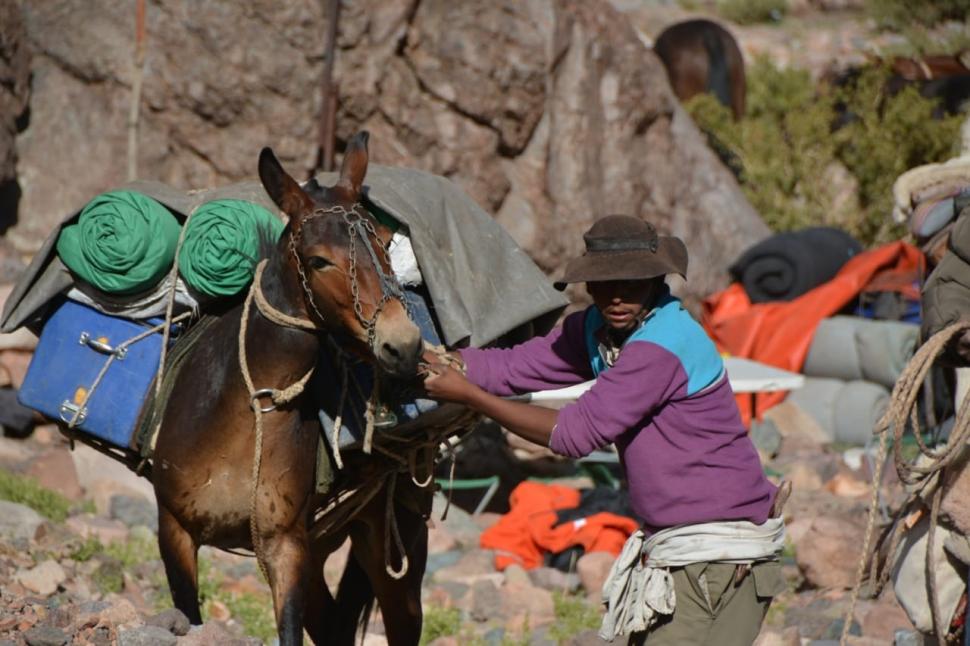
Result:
358,226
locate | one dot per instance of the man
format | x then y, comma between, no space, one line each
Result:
704,567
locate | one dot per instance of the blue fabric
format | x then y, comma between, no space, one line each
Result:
671,327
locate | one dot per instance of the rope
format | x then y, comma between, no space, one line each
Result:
279,397
369,413
902,409
391,529
270,312
339,421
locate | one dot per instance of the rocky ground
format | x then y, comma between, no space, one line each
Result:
79,562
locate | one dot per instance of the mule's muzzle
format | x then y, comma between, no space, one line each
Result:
400,352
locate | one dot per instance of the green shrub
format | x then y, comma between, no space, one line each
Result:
439,622
253,612
88,549
790,160
573,616
900,14
747,12
25,491
109,577
134,551
888,137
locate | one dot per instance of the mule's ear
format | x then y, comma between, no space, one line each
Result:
354,167
282,188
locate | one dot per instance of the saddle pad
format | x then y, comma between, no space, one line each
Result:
75,344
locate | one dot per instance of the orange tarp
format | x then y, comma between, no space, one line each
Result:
780,333
529,531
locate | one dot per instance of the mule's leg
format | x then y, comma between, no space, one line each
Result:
287,558
180,556
355,600
399,599
322,619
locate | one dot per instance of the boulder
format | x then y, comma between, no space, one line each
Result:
14,93
827,551
18,522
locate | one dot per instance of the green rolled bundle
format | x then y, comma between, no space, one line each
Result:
221,245
123,242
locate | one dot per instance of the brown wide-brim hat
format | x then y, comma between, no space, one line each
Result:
622,247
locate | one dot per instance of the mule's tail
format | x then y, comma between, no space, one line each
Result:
718,71
355,599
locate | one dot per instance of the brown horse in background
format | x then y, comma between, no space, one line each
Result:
701,56
328,271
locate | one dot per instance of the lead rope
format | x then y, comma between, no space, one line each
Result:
390,523
278,396
902,408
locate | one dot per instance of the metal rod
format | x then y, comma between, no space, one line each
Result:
328,103
136,84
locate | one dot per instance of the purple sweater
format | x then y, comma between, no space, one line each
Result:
686,454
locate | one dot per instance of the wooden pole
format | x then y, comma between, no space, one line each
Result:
328,103
136,83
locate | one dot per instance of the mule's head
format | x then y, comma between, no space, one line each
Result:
337,254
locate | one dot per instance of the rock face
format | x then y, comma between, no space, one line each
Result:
548,112
14,91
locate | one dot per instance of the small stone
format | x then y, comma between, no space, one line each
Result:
42,579
213,633
527,605
119,612
219,611
472,565
516,574
18,522
486,602
45,636
441,560
105,530
173,620
146,636
549,578
593,568
847,485
133,511
588,637
803,477
786,637
440,540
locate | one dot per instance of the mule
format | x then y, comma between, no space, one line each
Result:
702,56
326,275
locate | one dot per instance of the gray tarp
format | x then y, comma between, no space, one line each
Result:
481,283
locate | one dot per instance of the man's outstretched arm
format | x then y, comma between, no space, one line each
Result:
530,422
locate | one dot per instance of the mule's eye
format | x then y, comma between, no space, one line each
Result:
317,263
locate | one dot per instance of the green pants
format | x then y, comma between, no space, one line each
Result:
713,609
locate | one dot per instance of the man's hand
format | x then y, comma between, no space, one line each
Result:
444,383
534,423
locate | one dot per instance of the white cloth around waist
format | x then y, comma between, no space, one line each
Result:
637,591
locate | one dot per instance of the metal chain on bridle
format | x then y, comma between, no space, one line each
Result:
360,227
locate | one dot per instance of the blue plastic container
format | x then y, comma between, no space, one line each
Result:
75,344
